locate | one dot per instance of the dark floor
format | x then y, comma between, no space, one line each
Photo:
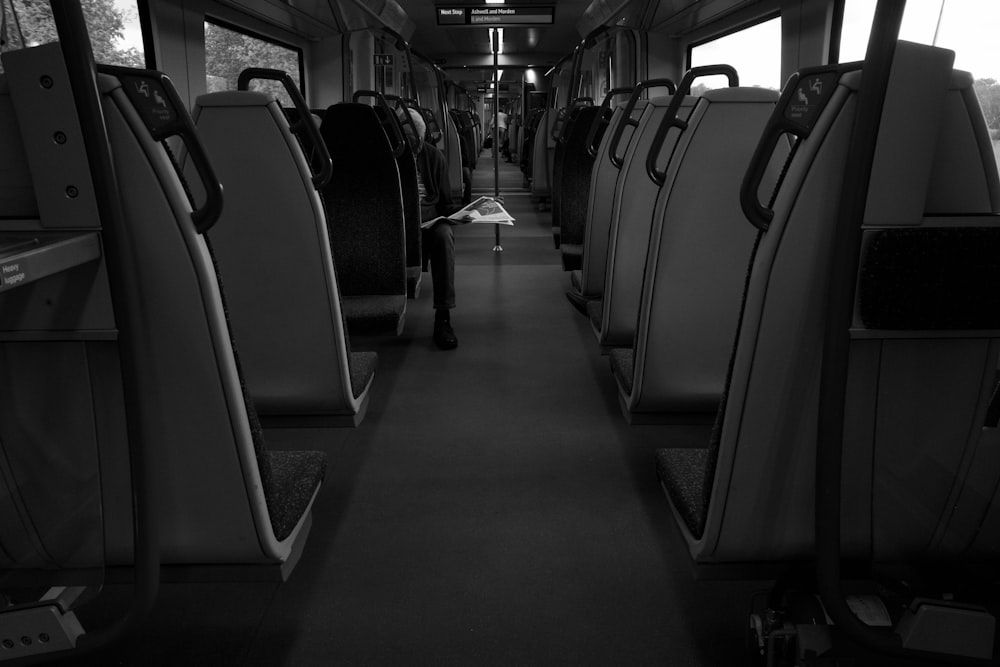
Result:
493,508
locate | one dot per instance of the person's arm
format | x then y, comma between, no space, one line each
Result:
445,204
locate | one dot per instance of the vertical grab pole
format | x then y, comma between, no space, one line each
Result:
495,43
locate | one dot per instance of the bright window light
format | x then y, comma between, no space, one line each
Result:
495,2
499,39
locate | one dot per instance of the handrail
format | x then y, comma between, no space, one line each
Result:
670,118
319,152
389,123
601,120
627,115
778,125
833,377
177,123
75,43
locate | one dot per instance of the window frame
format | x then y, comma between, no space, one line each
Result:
732,30
247,32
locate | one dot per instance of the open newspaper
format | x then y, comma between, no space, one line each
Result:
484,209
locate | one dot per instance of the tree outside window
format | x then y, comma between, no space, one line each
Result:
228,52
29,23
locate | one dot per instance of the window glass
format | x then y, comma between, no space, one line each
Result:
967,27
228,52
755,52
115,33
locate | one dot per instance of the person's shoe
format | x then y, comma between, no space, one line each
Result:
444,335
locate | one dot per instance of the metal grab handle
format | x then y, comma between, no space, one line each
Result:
671,120
792,117
389,123
305,122
760,216
601,120
627,116
164,117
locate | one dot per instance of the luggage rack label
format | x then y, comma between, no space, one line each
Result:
11,274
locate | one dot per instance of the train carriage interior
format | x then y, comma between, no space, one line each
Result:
709,376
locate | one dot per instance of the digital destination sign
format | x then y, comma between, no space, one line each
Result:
491,16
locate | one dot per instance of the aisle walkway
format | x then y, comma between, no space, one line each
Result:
493,508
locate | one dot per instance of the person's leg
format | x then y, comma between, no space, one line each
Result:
439,245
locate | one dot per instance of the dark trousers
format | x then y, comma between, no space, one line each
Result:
439,251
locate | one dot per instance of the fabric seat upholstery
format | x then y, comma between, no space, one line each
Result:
365,209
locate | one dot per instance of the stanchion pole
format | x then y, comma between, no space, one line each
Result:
496,129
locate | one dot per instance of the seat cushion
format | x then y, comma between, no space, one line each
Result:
623,366
369,314
295,476
363,365
682,475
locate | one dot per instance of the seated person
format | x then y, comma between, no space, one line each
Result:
439,240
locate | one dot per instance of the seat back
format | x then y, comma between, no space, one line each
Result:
924,343
364,204
453,153
514,138
465,125
631,221
574,188
695,266
294,348
223,495
406,166
555,172
600,204
543,155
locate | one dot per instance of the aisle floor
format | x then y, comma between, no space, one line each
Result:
493,508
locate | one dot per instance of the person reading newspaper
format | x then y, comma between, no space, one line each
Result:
438,239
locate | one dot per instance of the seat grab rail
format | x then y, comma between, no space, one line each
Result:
390,124
670,119
304,124
601,120
619,160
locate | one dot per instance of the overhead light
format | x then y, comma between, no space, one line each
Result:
495,2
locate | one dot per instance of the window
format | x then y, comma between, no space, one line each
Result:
115,32
755,52
229,51
967,27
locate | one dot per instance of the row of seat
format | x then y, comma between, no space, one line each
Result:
723,320
226,288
